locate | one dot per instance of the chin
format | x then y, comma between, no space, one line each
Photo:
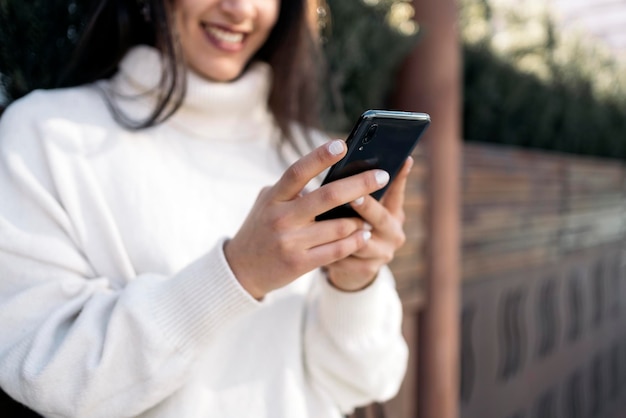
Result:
222,75
225,78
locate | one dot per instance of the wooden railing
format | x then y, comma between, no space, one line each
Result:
544,313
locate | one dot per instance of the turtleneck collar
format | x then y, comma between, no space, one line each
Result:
235,110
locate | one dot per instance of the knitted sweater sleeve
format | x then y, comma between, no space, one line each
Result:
74,343
354,347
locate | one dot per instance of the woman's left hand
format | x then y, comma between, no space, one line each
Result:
386,219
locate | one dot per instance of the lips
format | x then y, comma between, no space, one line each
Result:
224,39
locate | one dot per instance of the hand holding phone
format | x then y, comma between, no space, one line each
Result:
379,140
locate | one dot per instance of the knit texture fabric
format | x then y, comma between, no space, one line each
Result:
116,299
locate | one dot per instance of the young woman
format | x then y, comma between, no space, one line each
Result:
158,258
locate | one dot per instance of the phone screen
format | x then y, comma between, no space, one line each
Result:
379,140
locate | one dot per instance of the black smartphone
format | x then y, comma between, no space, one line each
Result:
381,139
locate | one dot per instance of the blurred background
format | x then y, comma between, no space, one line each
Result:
513,274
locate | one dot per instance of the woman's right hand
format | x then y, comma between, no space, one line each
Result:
280,240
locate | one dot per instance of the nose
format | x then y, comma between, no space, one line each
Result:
238,9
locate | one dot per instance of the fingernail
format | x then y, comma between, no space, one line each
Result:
359,201
382,177
367,227
336,147
367,235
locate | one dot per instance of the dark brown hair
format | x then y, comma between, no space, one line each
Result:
118,25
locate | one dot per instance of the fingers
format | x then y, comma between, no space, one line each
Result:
306,168
386,219
320,233
329,253
394,197
386,215
386,226
342,191
374,213
377,250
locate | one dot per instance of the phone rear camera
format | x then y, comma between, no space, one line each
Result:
371,132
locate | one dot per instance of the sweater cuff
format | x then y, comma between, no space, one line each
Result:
357,314
201,299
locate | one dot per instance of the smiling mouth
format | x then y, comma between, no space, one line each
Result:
224,39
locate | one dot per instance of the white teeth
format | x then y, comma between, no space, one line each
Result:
225,36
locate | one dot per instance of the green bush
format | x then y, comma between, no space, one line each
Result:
505,105
364,47
531,85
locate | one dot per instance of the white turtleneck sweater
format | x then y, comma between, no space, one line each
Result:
116,299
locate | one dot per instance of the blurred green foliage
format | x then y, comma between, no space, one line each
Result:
506,106
364,45
529,84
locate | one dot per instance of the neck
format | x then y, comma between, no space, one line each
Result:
235,110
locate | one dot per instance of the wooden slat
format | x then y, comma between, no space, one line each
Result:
525,207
